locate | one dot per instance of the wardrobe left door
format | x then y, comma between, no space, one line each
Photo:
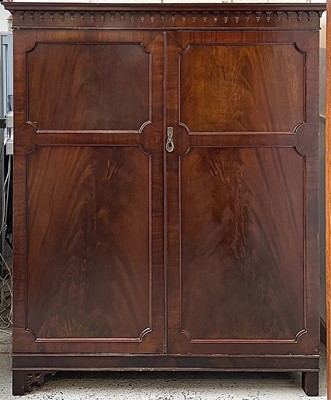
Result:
88,263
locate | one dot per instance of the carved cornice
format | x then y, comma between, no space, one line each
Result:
149,16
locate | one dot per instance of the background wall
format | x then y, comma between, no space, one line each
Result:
3,19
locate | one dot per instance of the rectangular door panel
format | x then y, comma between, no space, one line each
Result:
235,87
89,86
242,250
89,267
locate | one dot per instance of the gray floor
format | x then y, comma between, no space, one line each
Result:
161,386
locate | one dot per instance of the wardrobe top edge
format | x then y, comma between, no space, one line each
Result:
55,6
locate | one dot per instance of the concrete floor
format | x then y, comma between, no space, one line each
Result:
161,386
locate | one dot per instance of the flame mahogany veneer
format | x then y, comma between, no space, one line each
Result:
129,257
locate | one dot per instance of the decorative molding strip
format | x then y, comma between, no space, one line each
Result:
153,17
231,340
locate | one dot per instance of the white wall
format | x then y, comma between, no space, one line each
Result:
4,14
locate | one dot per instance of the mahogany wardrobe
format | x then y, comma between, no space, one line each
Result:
165,188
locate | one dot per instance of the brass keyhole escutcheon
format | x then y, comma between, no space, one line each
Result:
170,139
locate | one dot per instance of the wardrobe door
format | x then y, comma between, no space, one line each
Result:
242,193
88,192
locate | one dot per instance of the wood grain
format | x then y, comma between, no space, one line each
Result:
242,246
235,88
96,86
88,257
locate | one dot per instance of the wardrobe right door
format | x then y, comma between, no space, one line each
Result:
242,193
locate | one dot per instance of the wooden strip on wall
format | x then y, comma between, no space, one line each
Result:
328,195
